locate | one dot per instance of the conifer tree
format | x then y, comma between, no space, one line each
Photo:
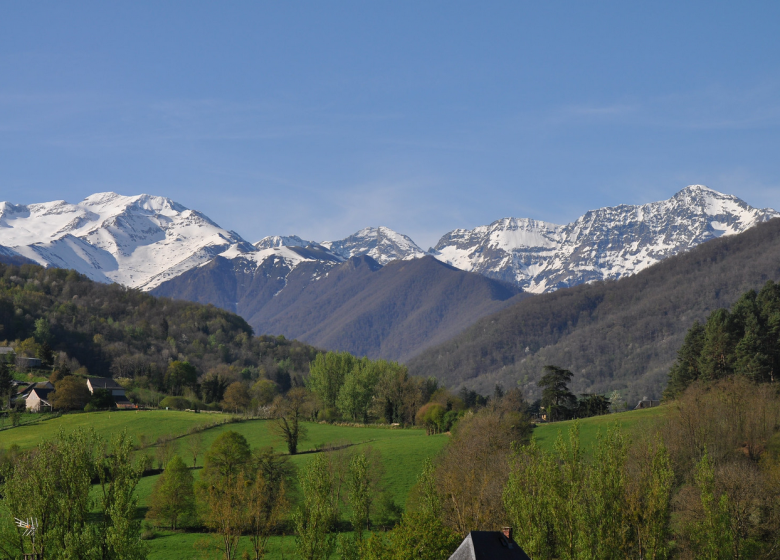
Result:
716,359
556,397
686,368
421,533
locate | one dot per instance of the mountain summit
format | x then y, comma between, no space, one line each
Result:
607,243
381,244
139,241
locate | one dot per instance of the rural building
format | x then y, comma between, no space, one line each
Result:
105,383
37,400
4,350
23,362
489,545
116,390
646,403
23,390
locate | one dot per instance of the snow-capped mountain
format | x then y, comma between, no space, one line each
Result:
139,241
603,244
281,241
381,244
142,241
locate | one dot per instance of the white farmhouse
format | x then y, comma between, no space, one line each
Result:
38,399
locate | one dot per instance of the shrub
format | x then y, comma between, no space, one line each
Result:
177,403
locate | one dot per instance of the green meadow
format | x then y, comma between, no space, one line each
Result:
634,423
402,452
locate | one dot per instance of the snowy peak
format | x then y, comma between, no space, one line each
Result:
138,241
602,244
496,246
281,241
381,244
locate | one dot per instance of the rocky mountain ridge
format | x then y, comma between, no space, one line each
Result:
604,244
143,241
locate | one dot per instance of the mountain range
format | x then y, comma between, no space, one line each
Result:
608,243
613,335
355,293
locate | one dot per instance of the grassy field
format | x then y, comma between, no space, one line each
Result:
151,423
632,423
402,452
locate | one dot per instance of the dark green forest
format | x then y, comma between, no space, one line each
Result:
70,321
742,341
617,335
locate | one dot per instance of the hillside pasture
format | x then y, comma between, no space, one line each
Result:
402,451
634,423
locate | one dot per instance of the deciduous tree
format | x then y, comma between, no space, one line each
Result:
288,411
236,397
71,393
327,373
173,498
179,375
227,456
195,446
357,392
316,515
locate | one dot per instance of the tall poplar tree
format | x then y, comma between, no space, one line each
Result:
314,519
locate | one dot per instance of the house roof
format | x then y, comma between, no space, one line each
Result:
6,350
488,545
41,392
24,391
103,383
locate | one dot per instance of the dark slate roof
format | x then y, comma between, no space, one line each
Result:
103,383
24,391
488,545
43,393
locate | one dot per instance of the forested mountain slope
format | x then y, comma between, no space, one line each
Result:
620,334
392,311
113,330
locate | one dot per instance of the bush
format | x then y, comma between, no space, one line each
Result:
102,399
90,407
147,531
328,415
177,403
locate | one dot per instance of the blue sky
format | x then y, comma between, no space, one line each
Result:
319,118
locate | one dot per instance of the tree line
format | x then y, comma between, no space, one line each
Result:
744,340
